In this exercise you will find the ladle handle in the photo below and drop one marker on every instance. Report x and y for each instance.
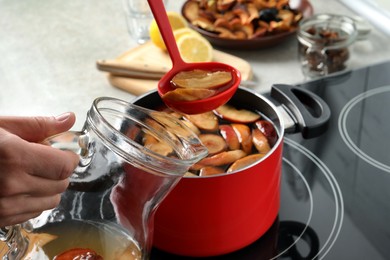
(161, 17)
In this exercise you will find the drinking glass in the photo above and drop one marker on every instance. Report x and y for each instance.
(138, 18)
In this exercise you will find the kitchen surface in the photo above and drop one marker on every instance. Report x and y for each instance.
(334, 189)
(50, 48)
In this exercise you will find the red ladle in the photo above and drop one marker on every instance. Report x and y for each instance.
(178, 65)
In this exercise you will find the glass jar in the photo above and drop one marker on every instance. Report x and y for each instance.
(323, 43)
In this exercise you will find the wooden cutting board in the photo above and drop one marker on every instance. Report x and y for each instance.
(148, 63)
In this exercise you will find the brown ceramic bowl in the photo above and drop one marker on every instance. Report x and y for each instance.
(255, 43)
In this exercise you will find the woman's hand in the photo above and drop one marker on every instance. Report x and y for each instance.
(32, 175)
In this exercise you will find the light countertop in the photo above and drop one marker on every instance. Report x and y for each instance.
(49, 49)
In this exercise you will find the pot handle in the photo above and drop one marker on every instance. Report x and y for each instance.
(309, 112)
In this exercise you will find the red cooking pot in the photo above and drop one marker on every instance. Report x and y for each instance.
(206, 216)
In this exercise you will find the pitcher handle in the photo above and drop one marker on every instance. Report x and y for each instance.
(75, 141)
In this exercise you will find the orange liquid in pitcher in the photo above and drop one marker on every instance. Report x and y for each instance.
(107, 241)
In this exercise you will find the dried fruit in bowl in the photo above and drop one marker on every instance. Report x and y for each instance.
(235, 19)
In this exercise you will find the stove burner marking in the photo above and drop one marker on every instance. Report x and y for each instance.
(342, 125)
(310, 211)
(338, 198)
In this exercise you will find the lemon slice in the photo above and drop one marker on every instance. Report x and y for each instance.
(176, 20)
(193, 48)
(184, 31)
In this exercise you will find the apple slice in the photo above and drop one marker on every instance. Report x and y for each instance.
(201, 79)
(244, 135)
(260, 141)
(191, 126)
(210, 170)
(268, 129)
(223, 158)
(244, 162)
(230, 136)
(160, 148)
(149, 139)
(205, 121)
(235, 115)
(188, 94)
(214, 143)
(132, 132)
(190, 174)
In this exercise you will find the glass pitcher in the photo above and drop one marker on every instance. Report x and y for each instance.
(130, 158)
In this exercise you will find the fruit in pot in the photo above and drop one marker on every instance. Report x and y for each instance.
(201, 79)
(233, 114)
(244, 136)
(214, 143)
(260, 141)
(245, 161)
(205, 121)
(235, 138)
(230, 136)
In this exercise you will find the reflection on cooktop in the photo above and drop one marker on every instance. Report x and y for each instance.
(376, 109)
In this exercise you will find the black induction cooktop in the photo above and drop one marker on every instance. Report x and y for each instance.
(335, 197)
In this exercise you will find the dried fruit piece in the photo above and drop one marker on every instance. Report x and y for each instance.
(160, 148)
(78, 253)
(149, 139)
(244, 135)
(223, 158)
(205, 121)
(244, 162)
(230, 136)
(235, 115)
(191, 10)
(188, 94)
(191, 126)
(232, 19)
(202, 79)
(210, 170)
(190, 174)
(214, 143)
(260, 141)
(268, 130)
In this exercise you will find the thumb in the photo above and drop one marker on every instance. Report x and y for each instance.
(36, 129)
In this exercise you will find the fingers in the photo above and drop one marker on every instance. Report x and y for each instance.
(18, 209)
(32, 175)
(36, 129)
(57, 164)
(32, 186)
(31, 168)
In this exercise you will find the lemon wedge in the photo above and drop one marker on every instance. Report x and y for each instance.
(194, 48)
(185, 31)
(176, 20)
